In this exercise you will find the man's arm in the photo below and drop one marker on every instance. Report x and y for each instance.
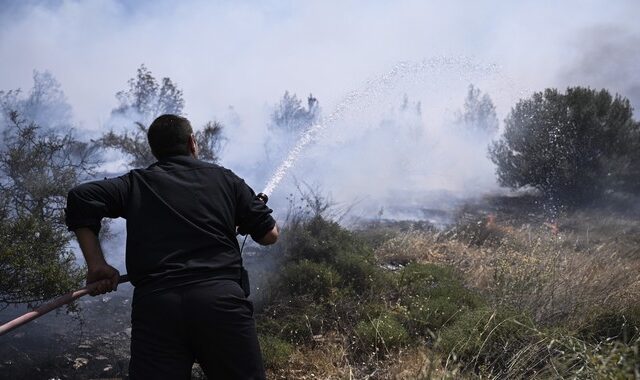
(270, 237)
(87, 204)
(97, 268)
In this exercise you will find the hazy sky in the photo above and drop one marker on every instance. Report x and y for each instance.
(246, 53)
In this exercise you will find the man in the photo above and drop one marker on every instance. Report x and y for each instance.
(182, 256)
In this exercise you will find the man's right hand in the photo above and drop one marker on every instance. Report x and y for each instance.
(102, 279)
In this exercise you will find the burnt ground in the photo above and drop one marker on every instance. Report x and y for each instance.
(90, 344)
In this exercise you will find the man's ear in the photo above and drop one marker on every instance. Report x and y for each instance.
(193, 146)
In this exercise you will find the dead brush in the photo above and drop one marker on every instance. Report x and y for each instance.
(421, 363)
(409, 246)
(540, 272)
(329, 359)
(590, 263)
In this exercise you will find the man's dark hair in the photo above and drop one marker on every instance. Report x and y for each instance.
(168, 135)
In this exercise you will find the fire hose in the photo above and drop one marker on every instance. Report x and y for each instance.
(49, 306)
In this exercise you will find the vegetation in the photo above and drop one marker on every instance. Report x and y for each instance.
(139, 105)
(507, 297)
(478, 116)
(573, 146)
(291, 116)
(38, 165)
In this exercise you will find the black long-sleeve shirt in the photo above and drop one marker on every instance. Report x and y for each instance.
(181, 217)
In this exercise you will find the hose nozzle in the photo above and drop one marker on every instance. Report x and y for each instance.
(263, 197)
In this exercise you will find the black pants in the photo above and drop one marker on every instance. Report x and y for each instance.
(209, 322)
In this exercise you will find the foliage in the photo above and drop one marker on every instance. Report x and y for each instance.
(148, 99)
(288, 121)
(381, 334)
(433, 296)
(291, 116)
(487, 338)
(44, 105)
(145, 100)
(275, 351)
(564, 144)
(307, 277)
(478, 115)
(38, 166)
(321, 240)
(36, 262)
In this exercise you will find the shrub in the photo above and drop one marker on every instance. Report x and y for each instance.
(321, 240)
(485, 337)
(307, 277)
(296, 321)
(381, 334)
(359, 273)
(275, 351)
(433, 296)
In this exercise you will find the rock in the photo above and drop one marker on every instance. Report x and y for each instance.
(80, 362)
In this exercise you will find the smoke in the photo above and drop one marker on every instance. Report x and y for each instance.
(234, 60)
(385, 151)
(608, 57)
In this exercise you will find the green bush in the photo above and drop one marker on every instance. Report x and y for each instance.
(433, 296)
(275, 351)
(309, 278)
(381, 334)
(321, 240)
(487, 338)
(296, 321)
(359, 273)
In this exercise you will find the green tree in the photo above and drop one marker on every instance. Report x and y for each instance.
(38, 165)
(139, 105)
(566, 145)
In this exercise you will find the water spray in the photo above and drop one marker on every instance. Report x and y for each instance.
(374, 88)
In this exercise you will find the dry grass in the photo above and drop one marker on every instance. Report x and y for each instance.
(557, 273)
(328, 359)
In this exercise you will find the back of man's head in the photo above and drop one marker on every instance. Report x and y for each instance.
(169, 135)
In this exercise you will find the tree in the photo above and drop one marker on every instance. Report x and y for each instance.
(147, 99)
(45, 105)
(289, 120)
(139, 105)
(38, 166)
(566, 144)
(291, 116)
(478, 115)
